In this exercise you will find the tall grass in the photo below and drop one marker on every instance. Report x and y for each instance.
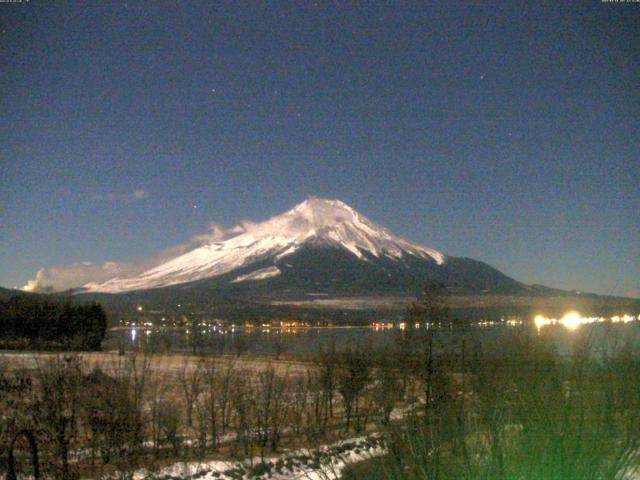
(524, 412)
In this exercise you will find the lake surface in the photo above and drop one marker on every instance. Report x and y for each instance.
(601, 336)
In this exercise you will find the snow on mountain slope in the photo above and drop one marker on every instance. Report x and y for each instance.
(326, 221)
(260, 274)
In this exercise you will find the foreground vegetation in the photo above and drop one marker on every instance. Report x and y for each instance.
(523, 412)
(91, 419)
(512, 408)
(515, 409)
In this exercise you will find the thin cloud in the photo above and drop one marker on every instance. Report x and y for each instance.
(65, 277)
(216, 233)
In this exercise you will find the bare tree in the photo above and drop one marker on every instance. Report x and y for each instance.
(279, 344)
(224, 396)
(244, 407)
(189, 378)
(57, 407)
(328, 364)
(296, 413)
(240, 345)
(270, 411)
(33, 446)
(353, 375)
(388, 389)
(212, 382)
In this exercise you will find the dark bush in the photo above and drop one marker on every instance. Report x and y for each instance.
(46, 323)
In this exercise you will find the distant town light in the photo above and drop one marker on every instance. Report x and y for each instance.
(571, 320)
(540, 321)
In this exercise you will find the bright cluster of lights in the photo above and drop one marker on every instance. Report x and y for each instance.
(573, 320)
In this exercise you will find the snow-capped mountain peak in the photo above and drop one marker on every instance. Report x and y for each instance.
(330, 222)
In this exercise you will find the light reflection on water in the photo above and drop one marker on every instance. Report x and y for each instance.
(567, 333)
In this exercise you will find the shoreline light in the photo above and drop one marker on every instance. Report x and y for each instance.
(572, 320)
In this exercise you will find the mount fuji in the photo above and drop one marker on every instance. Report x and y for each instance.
(319, 247)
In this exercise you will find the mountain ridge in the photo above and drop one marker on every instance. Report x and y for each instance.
(329, 284)
(314, 221)
(318, 249)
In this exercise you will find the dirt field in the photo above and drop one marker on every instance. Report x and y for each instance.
(160, 364)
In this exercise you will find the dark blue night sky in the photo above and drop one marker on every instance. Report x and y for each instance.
(508, 132)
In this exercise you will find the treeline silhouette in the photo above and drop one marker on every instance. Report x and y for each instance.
(37, 322)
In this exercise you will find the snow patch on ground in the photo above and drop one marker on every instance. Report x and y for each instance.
(324, 463)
